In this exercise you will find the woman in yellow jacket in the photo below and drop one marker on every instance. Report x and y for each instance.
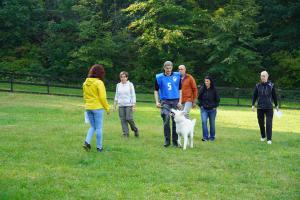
(94, 95)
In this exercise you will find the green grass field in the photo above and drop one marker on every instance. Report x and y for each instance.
(41, 155)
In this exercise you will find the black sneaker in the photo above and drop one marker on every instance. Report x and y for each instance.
(167, 144)
(86, 146)
(99, 149)
(136, 133)
(204, 140)
(175, 144)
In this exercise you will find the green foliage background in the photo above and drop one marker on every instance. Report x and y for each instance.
(232, 40)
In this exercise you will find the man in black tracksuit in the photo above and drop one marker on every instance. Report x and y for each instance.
(265, 94)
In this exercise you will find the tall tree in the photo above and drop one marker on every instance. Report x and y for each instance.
(21, 29)
(102, 39)
(162, 30)
(280, 22)
(234, 56)
(61, 33)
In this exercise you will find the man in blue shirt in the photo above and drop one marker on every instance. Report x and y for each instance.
(167, 95)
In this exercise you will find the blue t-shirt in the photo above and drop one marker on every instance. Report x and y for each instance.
(168, 85)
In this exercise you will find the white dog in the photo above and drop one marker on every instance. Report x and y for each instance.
(184, 127)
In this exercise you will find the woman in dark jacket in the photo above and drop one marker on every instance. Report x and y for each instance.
(265, 94)
(208, 101)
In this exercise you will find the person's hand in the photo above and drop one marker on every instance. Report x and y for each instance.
(114, 107)
(253, 108)
(133, 108)
(158, 105)
(107, 112)
(194, 105)
(277, 108)
(179, 106)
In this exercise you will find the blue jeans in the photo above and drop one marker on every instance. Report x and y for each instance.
(96, 122)
(211, 115)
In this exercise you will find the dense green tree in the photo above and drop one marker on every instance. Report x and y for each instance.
(169, 30)
(20, 25)
(233, 40)
(60, 38)
(234, 56)
(102, 39)
(280, 23)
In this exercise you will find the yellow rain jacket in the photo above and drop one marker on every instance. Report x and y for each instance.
(94, 94)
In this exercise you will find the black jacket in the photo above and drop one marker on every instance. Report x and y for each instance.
(208, 98)
(265, 94)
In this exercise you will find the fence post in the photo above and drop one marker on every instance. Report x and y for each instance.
(279, 97)
(48, 87)
(11, 83)
(237, 93)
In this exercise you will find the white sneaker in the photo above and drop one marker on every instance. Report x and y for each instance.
(262, 139)
(269, 142)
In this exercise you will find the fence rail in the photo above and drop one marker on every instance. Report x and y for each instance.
(27, 83)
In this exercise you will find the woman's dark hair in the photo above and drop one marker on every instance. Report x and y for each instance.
(212, 84)
(97, 71)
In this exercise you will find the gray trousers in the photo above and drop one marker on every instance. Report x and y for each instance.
(126, 117)
(165, 114)
(187, 106)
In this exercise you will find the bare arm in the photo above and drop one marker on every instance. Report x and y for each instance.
(116, 98)
(180, 96)
(179, 105)
(156, 88)
(156, 99)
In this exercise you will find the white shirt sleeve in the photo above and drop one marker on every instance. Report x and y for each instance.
(133, 96)
(116, 95)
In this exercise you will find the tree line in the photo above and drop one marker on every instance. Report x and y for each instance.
(231, 40)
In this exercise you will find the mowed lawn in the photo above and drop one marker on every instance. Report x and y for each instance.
(41, 155)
